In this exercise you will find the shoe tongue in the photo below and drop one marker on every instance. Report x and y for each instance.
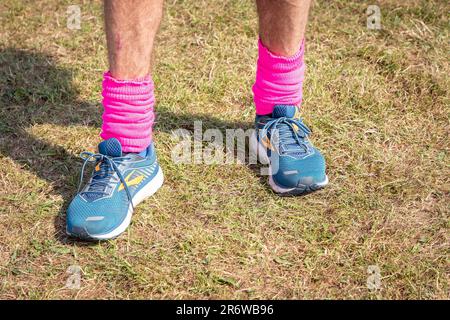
(287, 111)
(110, 147)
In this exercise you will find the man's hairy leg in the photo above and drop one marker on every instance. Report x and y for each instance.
(296, 167)
(282, 24)
(131, 27)
(103, 208)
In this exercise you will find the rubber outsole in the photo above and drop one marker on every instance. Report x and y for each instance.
(140, 196)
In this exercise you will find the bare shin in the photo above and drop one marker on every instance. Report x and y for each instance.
(282, 24)
(131, 27)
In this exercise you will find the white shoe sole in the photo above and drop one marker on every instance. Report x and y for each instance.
(140, 196)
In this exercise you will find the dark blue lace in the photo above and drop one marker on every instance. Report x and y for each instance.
(101, 178)
(287, 133)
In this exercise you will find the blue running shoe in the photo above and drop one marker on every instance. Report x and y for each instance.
(103, 208)
(281, 141)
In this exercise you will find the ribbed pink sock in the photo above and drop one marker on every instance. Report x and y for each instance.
(279, 80)
(128, 112)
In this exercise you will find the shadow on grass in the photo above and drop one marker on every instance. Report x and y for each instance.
(34, 90)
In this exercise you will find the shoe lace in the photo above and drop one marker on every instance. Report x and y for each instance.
(292, 133)
(101, 178)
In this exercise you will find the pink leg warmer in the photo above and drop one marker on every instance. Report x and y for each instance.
(128, 112)
(279, 79)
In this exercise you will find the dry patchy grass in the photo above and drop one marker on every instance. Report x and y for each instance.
(376, 100)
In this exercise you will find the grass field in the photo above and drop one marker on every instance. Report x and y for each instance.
(376, 100)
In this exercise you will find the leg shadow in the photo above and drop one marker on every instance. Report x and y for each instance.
(35, 90)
